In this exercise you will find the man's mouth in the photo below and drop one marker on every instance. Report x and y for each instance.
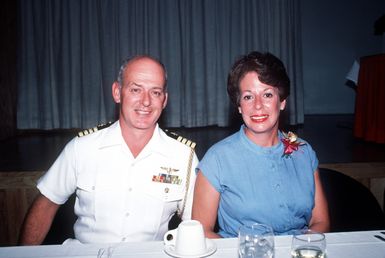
(143, 112)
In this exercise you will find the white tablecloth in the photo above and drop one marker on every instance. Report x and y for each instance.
(339, 245)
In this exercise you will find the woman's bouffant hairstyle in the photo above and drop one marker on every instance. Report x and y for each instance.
(269, 68)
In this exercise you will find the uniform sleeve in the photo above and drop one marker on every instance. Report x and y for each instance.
(59, 182)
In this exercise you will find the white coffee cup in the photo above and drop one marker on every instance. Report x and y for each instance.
(187, 239)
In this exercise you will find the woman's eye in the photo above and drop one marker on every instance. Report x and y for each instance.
(247, 97)
(268, 95)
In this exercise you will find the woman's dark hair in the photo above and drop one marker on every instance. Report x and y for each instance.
(269, 68)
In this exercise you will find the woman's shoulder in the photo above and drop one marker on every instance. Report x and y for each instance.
(226, 143)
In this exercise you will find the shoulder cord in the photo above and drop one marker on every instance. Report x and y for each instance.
(187, 180)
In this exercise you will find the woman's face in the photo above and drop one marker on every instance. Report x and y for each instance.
(260, 106)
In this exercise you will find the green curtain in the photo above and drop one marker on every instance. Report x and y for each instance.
(70, 52)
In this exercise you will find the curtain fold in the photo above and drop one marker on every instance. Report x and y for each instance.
(70, 52)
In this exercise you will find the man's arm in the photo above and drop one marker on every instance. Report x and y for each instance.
(38, 221)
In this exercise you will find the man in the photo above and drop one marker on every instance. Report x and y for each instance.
(129, 178)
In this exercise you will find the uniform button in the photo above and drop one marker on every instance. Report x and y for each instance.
(123, 239)
(93, 187)
(130, 189)
(127, 214)
(281, 206)
(277, 185)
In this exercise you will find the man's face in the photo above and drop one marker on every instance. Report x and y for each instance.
(142, 94)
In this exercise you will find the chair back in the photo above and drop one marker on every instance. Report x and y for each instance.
(352, 207)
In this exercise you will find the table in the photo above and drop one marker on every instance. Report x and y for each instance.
(339, 245)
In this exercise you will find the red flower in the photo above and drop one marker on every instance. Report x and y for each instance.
(290, 143)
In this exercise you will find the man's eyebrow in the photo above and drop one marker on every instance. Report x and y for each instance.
(134, 83)
(160, 87)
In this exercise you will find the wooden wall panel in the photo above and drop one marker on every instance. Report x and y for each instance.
(17, 191)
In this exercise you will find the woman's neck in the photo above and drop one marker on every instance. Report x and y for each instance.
(263, 139)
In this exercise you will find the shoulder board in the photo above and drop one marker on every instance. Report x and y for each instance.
(94, 129)
(181, 139)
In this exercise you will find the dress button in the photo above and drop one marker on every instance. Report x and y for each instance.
(93, 187)
(123, 239)
(130, 189)
(127, 214)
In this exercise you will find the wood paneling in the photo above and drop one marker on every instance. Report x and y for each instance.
(17, 191)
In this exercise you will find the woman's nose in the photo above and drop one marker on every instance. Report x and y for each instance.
(257, 102)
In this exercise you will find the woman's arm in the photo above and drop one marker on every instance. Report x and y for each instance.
(320, 215)
(205, 205)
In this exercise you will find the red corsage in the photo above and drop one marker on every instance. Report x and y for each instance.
(291, 143)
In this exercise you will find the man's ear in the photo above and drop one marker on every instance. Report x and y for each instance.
(116, 92)
(165, 100)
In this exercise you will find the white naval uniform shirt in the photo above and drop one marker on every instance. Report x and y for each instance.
(116, 197)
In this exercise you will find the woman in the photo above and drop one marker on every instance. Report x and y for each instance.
(259, 174)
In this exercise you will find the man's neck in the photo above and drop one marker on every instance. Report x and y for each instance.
(136, 139)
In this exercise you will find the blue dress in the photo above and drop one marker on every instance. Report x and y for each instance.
(260, 185)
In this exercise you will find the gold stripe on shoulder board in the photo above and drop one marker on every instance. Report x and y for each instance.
(94, 129)
(181, 139)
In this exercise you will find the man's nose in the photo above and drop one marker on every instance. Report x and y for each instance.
(146, 99)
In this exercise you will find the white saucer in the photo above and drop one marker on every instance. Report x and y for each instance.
(211, 248)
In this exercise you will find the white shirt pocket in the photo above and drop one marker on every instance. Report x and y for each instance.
(85, 192)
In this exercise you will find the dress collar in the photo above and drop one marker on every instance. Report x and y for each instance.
(277, 148)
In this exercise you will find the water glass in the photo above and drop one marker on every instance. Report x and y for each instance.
(308, 244)
(255, 241)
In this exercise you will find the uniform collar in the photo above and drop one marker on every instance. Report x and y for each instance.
(113, 137)
(158, 144)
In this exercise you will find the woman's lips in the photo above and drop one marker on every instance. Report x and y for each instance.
(259, 118)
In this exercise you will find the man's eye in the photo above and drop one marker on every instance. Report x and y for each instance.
(135, 90)
(157, 93)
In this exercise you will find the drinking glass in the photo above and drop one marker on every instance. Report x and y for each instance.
(255, 241)
(308, 244)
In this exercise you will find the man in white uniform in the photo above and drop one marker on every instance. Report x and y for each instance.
(129, 178)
